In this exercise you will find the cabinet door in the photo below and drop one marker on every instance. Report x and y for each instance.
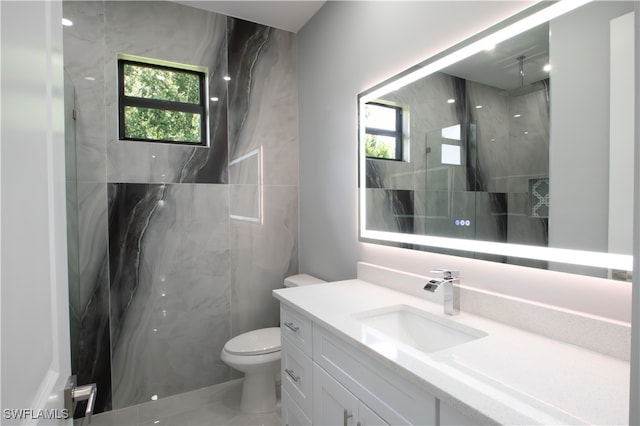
(333, 404)
(395, 399)
(292, 414)
(367, 417)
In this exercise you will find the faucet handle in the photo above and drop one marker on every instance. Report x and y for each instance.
(447, 274)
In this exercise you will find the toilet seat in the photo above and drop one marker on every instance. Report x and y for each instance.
(256, 342)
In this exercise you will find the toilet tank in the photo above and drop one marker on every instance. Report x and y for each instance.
(301, 279)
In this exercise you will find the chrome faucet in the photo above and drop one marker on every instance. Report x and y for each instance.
(451, 292)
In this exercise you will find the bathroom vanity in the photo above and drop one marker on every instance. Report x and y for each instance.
(358, 353)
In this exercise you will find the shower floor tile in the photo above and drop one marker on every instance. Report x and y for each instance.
(217, 405)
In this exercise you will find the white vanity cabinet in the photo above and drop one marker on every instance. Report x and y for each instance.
(292, 414)
(333, 404)
(450, 417)
(393, 399)
(296, 367)
(328, 381)
(335, 357)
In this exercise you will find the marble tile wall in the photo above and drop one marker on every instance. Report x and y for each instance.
(263, 126)
(153, 30)
(170, 288)
(179, 246)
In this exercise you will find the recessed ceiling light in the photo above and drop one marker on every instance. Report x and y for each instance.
(67, 22)
(451, 101)
(547, 68)
(478, 106)
(516, 115)
(89, 78)
(215, 99)
(226, 78)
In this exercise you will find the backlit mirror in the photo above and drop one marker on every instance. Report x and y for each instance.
(514, 146)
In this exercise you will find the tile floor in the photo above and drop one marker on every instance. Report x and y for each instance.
(217, 405)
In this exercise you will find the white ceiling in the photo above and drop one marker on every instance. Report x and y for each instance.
(285, 15)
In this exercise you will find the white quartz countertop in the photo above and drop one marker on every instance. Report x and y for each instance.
(510, 376)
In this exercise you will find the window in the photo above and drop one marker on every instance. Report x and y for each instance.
(161, 103)
(383, 131)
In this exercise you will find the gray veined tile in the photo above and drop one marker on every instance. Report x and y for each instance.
(245, 167)
(180, 285)
(84, 62)
(196, 43)
(215, 405)
(203, 43)
(122, 417)
(266, 254)
(246, 203)
(92, 232)
(88, 20)
(264, 108)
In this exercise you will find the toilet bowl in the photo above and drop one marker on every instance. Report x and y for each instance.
(257, 354)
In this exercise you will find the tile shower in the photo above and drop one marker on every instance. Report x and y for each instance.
(178, 248)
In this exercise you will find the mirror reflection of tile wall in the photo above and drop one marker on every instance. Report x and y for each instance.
(485, 195)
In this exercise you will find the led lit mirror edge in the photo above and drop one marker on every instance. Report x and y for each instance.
(529, 18)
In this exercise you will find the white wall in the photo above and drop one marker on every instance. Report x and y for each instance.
(634, 399)
(346, 48)
(580, 139)
(35, 320)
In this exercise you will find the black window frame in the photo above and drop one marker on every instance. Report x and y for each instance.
(164, 105)
(398, 134)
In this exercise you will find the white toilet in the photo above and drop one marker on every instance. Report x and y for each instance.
(257, 354)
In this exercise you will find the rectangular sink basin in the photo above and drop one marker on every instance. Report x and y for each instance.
(415, 328)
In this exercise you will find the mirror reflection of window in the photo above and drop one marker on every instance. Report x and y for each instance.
(451, 132)
(451, 154)
(383, 131)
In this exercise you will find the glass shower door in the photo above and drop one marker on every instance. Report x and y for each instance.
(449, 196)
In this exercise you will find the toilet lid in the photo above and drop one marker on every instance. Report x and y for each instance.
(256, 342)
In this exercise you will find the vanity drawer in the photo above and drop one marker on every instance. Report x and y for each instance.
(297, 375)
(296, 327)
(396, 400)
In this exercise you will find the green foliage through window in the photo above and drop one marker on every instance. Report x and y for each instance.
(161, 125)
(376, 147)
(161, 103)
